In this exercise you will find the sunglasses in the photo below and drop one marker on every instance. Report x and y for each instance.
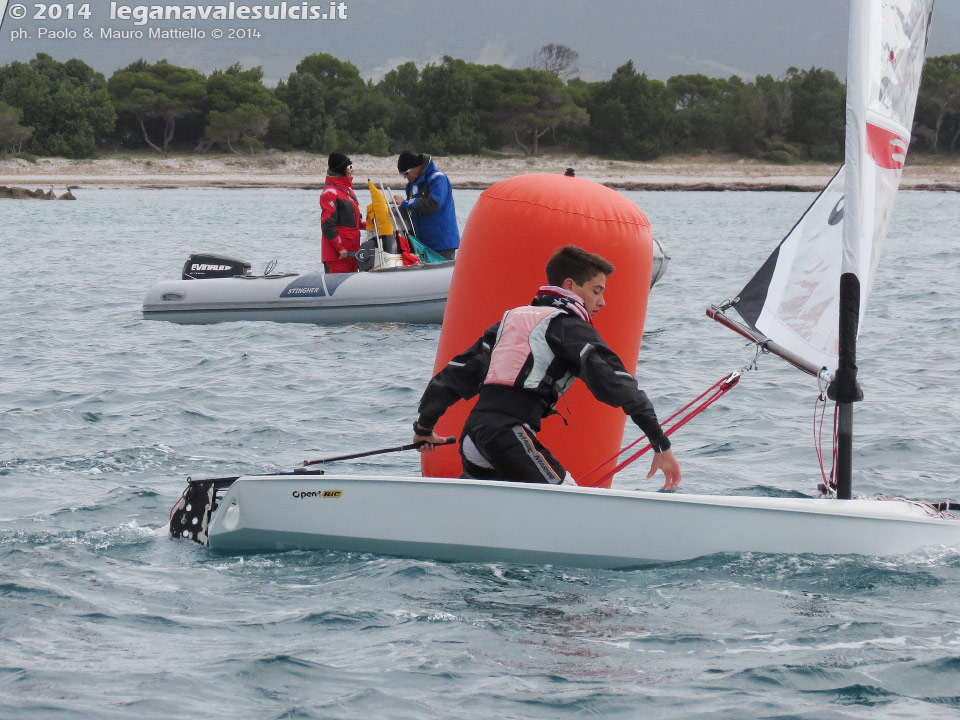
(350, 166)
(406, 173)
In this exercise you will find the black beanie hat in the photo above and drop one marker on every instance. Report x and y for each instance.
(408, 160)
(337, 163)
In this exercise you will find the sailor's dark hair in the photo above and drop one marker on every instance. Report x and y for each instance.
(577, 264)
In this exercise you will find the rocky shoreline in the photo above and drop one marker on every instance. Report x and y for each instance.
(18, 193)
(303, 170)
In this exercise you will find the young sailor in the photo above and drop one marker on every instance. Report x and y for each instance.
(523, 364)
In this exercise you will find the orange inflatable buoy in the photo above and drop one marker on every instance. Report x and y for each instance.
(510, 234)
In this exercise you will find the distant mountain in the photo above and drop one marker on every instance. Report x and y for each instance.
(662, 37)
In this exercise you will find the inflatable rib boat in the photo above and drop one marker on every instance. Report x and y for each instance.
(414, 294)
(218, 288)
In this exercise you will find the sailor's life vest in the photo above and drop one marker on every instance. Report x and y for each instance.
(522, 358)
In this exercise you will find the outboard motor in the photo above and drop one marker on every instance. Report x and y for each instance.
(367, 254)
(202, 266)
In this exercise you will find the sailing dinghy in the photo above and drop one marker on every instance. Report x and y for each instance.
(805, 304)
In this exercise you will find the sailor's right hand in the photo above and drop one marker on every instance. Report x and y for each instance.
(427, 443)
(397, 199)
(671, 468)
(343, 254)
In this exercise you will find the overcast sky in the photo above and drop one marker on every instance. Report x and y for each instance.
(718, 38)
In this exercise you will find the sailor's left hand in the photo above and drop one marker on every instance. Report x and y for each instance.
(671, 468)
(428, 443)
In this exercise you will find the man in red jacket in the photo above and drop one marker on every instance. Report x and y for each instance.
(340, 219)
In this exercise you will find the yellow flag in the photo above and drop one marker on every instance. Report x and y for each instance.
(378, 211)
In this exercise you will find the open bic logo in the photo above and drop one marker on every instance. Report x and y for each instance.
(303, 494)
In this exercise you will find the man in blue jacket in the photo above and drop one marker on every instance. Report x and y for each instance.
(429, 203)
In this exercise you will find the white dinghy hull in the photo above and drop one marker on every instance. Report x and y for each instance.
(410, 295)
(486, 521)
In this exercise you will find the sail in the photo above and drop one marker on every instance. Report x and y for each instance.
(793, 300)
(888, 41)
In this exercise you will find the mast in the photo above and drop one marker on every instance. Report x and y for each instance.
(844, 387)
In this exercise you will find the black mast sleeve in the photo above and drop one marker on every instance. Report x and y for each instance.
(844, 387)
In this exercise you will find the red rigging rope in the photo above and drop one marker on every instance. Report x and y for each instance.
(705, 400)
(708, 397)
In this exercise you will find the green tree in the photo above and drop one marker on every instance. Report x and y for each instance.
(324, 90)
(376, 142)
(447, 93)
(773, 98)
(12, 133)
(158, 95)
(245, 123)
(743, 118)
(329, 141)
(699, 102)
(630, 115)
(938, 104)
(403, 116)
(818, 107)
(66, 105)
(239, 107)
(528, 104)
(610, 127)
(724, 114)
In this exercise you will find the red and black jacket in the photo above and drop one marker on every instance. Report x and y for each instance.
(340, 220)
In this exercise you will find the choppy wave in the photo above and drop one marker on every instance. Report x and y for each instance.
(104, 415)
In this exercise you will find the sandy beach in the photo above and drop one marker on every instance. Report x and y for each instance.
(303, 170)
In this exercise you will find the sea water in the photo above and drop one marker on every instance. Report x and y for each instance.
(103, 416)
